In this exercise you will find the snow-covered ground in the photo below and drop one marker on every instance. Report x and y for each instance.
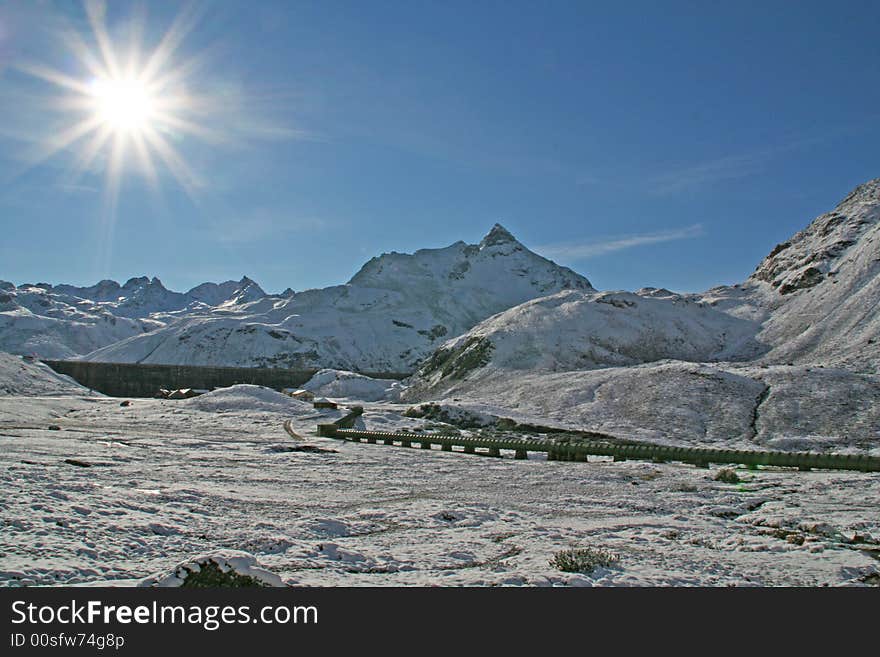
(171, 480)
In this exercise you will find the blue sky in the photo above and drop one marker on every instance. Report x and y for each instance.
(670, 144)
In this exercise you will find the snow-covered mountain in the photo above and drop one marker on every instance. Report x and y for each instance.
(814, 299)
(788, 358)
(388, 317)
(65, 321)
(34, 320)
(228, 293)
(822, 288)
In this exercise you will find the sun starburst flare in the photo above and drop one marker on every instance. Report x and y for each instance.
(126, 106)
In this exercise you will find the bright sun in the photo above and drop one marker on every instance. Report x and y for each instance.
(126, 105)
(133, 107)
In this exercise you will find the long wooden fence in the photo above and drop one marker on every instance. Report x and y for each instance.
(572, 449)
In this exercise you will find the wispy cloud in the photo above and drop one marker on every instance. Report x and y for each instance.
(743, 164)
(710, 172)
(593, 248)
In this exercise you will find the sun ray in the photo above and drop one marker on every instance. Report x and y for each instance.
(135, 42)
(114, 174)
(182, 25)
(87, 156)
(61, 141)
(189, 127)
(55, 77)
(181, 171)
(82, 53)
(145, 160)
(96, 11)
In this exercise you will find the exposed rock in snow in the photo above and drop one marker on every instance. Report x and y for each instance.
(219, 568)
(20, 376)
(391, 314)
(349, 385)
(215, 294)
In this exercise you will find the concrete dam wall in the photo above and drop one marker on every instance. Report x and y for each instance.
(137, 380)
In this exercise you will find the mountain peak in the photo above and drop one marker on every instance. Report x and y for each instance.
(497, 235)
(868, 192)
(136, 281)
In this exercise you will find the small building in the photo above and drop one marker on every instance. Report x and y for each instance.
(323, 402)
(302, 395)
(184, 393)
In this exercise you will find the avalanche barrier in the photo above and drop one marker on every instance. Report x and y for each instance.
(579, 450)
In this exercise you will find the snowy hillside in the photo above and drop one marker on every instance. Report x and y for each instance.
(686, 404)
(33, 379)
(576, 330)
(391, 314)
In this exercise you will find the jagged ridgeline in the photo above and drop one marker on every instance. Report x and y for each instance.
(392, 314)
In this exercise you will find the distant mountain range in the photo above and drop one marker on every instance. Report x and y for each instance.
(492, 306)
(388, 317)
(65, 321)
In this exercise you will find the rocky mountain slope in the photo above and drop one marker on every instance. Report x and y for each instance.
(822, 288)
(388, 317)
